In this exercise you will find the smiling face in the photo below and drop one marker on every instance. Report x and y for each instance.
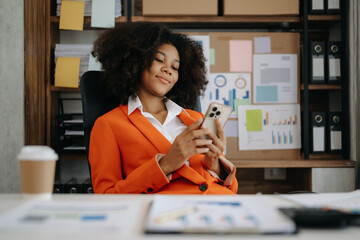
(163, 73)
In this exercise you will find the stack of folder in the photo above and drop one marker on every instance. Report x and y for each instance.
(88, 7)
(67, 53)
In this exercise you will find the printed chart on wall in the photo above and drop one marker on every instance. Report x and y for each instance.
(230, 89)
(264, 127)
(275, 78)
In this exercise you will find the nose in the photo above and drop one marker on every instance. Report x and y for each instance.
(166, 69)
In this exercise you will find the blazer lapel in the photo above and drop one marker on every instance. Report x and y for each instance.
(149, 131)
(186, 118)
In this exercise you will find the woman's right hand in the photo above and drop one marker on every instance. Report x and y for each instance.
(185, 145)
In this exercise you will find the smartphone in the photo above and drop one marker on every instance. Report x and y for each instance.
(216, 111)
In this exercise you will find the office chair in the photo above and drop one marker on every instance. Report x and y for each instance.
(95, 104)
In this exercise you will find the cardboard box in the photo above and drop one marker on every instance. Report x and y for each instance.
(180, 8)
(261, 7)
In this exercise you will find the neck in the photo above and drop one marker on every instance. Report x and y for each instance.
(152, 104)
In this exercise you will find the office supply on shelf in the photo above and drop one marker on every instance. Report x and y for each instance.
(88, 7)
(67, 72)
(103, 13)
(317, 63)
(72, 15)
(334, 62)
(171, 214)
(316, 6)
(333, 6)
(81, 51)
(318, 132)
(334, 132)
(71, 132)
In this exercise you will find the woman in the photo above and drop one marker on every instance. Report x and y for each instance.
(150, 143)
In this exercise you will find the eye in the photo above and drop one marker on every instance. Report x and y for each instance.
(159, 60)
(175, 68)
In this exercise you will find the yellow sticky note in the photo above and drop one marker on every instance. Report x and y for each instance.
(67, 72)
(254, 120)
(72, 15)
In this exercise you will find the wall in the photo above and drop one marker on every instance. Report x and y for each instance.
(11, 92)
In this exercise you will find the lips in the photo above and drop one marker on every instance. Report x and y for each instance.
(164, 80)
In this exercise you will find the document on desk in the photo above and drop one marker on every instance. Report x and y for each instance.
(226, 214)
(37, 215)
(342, 201)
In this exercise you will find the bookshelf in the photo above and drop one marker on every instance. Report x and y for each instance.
(42, 33)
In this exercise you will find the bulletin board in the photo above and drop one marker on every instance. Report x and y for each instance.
(248, 50)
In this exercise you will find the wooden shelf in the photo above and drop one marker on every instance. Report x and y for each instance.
(324, 17)
(294, 163)
(63, 89)
(218, 19)
(322, 87)
(56, 19)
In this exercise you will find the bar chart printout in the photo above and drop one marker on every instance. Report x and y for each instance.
(264, 127)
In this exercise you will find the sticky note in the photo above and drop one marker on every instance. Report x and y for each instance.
(240, 55)
(67, 72)
(103, 13)
(94, 64)
(267, 94)
(72, 15)
(262, 45)
(254, 120)
(212, 56)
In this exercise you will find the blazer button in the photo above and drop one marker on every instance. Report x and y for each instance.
(203, 187)
(149, 190)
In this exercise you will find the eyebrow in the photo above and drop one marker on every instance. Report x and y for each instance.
(162, 53)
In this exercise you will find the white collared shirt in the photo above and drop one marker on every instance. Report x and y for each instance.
(172, 126)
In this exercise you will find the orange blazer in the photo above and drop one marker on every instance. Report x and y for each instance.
(122, 156)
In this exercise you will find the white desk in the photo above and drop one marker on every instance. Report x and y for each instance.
(9, 201)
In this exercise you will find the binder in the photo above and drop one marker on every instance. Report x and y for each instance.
(87, 188)
(334, 62)
(335, 132)
(72, 186)
(317, 63)
(318, 132)
(317, 6)
(333, 6)
(58, 186)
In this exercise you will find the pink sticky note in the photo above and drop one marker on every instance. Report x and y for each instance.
(240, 55)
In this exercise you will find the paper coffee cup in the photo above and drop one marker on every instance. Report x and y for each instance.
(37, 169)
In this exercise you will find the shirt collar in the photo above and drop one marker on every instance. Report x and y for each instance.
(171, 106)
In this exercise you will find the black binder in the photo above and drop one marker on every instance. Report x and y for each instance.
(72, 186)
(333, 6)
(334, 62)
(58, 186)
(317, 6)
(318, 132)
(87, 188)
(335, 132)
(317, 62)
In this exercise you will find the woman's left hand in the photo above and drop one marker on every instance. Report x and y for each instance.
(211, 159)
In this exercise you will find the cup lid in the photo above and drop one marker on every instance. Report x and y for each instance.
(37, 153)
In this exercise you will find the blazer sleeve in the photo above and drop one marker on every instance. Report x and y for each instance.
(106, 166)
